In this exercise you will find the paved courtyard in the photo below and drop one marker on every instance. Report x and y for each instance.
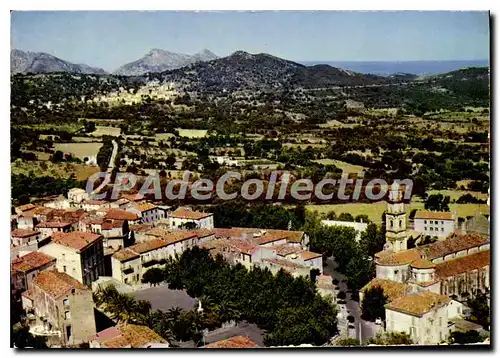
(163, 298)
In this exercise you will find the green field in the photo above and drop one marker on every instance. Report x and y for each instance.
(192, 133)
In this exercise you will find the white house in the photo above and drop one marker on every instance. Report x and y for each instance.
(424, 316)
(185, 215)
(79, 254)
(77, 195)
(359, 227)
(433, 223)
(146, 211)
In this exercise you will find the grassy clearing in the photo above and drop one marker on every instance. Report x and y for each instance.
(374, 211)
(79, 150)
(346, 167)
(163, 136)
(106, 130)
(192, 133)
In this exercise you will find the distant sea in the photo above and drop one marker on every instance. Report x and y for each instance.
(384, 68)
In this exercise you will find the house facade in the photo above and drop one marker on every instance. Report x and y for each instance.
(439, 224)
(24, 269)
(65, 304)
(79, 254)
(183, 216)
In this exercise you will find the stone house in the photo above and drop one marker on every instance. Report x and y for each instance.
(25, 268)
(64, 304)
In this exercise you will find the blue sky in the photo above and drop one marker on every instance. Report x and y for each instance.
(111, 39)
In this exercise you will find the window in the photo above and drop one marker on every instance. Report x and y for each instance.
(432, 229)
(425, 228)
(64, 268)
(442, 229)
(65, 302)
(442, 222)
(67, 315)
(425, 221)
(68, 332)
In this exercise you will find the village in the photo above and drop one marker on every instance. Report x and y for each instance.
(66, 249)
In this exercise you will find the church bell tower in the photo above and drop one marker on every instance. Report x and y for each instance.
(396, 235)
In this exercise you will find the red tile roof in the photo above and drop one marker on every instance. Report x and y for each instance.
(53, 225)
(77, 240)
(422, 264)
(23, 233)
(452, 245)
(417, 304)
(26, 207)
(434, 215)
(463, 264)
(233, 342)
(125, 255)
(309, 255)
(56, 284)
(119, 214)
(142, 207)
(147, 246)
(185, 213)
(132, 335)
(392, 289)
(270, 234)
(31, 261)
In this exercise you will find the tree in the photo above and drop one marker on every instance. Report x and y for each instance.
(372, 240)
(190, 225)
(480, 311)
(359, 270)
(464, 337)
(345, 217)
(437, 202)
(153, 276)
(22, 338)
(391, 339)
(57, 157)
(372, 306)
(347, 342)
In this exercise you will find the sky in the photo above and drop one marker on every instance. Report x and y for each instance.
(109, 39)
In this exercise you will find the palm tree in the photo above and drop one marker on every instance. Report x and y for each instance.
(227, 311)
(174, 313)
(206, 302)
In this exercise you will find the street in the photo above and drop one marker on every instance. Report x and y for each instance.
(363, 330)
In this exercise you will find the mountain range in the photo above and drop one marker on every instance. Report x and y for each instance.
(40, 62)
(158, 60)
(155, 60)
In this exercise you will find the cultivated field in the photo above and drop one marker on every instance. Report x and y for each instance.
(346, 167)
(79, 150)
(106, 130)
(192, 133)
(59, 170)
